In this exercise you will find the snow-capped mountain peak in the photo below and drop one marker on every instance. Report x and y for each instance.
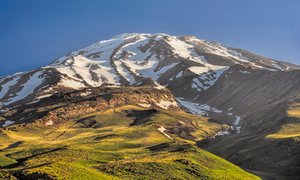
(129, 59)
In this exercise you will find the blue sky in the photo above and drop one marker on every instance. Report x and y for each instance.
(33, 32)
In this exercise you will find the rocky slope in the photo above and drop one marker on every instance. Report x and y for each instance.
(258, 105)
(70, 104)
(249, 94)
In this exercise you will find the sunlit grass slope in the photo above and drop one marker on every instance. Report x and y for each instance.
(291, 128)
(107, 145)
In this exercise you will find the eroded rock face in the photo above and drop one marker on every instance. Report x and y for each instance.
(62, 106)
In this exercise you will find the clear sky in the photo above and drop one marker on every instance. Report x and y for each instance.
(35, 32)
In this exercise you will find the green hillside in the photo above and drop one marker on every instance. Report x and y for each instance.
(119, 143)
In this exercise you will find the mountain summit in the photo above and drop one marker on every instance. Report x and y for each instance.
(128, 59)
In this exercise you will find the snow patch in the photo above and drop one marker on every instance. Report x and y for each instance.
(236, 123)
(237, 120)
(5, 87)
(7, 123)
(124, 72)
(245, 72)
(3, 110)
(28, 87)
(165, 69)
(145, 105)
(44, 96)
(216, 110)
(32, 102)
(166, 104)
(158, 86)
(199, 69)
(49, 123)
(69, 83)
(179, 74)
(162, 130)
(195, 108)
(207, 76)
(180, 48)
(92, 72)
(222, 133)
(276, 66)
(192, 107)
(83, 94)
(181, 122)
